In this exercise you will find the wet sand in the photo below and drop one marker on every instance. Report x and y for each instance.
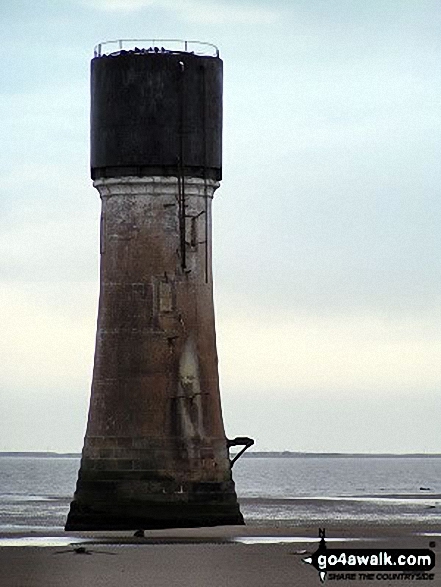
(204, 557)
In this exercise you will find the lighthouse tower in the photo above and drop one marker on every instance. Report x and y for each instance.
(155, 452)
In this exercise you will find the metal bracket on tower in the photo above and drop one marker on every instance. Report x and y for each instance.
(239, 441)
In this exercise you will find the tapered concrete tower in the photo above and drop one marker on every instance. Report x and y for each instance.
(155, 453)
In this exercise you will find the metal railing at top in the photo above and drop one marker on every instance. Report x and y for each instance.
(155, 46)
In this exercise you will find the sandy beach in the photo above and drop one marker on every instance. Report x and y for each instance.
(204, 557)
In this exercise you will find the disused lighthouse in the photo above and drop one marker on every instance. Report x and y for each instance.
(155, 452)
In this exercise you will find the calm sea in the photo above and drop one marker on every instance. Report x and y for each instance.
(35, 492)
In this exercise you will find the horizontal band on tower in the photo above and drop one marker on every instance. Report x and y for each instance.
(154, 186)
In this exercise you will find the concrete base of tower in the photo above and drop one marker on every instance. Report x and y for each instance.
(96, 506)
(109, 498)
(152, 518)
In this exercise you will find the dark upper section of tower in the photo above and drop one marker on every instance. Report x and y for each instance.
(156, 112)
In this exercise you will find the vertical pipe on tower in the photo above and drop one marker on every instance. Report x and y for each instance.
(155, 452)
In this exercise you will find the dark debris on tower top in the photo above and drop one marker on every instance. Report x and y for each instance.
(154, 47)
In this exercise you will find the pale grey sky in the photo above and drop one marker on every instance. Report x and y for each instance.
(326, 226)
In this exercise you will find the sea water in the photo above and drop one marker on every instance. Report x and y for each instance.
(35, 492)
(322, 490)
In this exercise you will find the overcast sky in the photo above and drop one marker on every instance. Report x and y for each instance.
(326, 226)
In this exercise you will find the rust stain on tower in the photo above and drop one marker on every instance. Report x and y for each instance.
(155, 452)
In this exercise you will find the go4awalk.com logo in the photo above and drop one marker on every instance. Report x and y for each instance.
(371, 564)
